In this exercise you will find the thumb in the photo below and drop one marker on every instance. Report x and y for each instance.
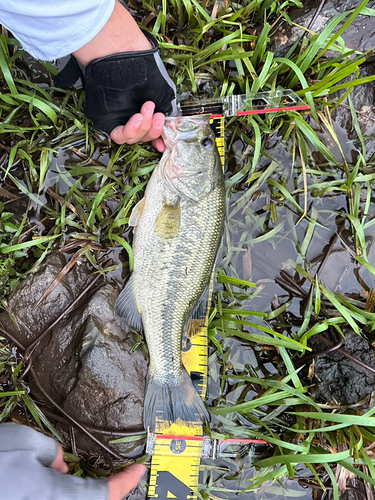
(59, 463)
(121, 484)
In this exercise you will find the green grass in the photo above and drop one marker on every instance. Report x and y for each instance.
(286, 188)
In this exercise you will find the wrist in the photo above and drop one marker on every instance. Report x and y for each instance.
(120, 34)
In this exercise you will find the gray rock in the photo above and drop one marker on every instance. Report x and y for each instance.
(360, 35)
(338, 380)
(86, 364)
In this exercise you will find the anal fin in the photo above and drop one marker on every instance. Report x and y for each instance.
(198, 317)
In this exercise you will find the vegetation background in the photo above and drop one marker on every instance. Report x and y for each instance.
(296, 182)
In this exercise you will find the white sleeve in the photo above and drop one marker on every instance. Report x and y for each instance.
(49, 29)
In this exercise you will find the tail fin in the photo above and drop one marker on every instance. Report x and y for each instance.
(172, 402)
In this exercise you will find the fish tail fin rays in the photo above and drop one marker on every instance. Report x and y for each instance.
(126, 312)
(171, 403)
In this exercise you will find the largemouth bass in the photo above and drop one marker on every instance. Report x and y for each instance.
(178, 228)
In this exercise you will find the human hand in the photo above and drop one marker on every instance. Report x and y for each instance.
(125, 82)
(118, 486)
(59, 463)
(121, 484)
(142, 127)
(38, 461)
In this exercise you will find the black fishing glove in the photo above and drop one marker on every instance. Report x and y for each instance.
(118, 85)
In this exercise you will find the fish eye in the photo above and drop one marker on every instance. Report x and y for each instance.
(207, 143)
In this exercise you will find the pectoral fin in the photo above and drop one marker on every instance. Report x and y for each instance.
(167, 224)
(137, 212)
(126, 312)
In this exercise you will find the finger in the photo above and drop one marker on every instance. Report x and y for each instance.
(121, 484)
(159, 144)
(124, 134)
(147, 111)
(59, 463)
(155, 129)
(137, 126)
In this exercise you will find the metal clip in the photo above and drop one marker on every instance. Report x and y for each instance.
(206, 449)
(150, 445)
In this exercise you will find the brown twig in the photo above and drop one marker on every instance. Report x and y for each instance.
(74, 259)
(334, 347)
(346, 354)
(105, 432)
(35, 226)
(62, 201)
(288, 283)
(77, 424)
(317, 12)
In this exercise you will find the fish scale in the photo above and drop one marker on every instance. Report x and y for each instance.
(177, 271)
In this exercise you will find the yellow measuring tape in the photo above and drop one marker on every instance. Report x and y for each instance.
(177, 450)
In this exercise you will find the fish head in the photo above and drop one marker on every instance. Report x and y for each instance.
(191, 163)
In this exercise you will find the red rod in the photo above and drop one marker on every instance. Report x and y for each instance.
(272, 110)
(201, 438)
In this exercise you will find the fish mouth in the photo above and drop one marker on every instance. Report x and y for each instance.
(182, 128)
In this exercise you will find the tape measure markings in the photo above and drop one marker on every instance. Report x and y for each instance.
(178, 450)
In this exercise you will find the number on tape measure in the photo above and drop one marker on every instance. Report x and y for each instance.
(168, 486)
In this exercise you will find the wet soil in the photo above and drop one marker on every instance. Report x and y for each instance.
(338, 379)
(359, 35)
